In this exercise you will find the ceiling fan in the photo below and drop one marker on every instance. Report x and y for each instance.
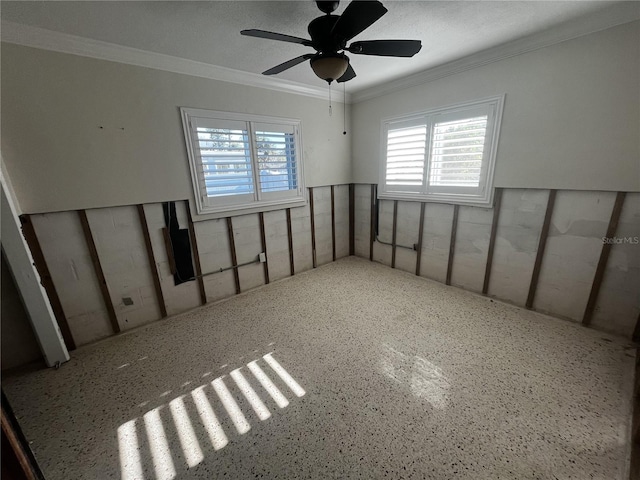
(329, 36)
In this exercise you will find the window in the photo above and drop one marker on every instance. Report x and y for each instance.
(243, 162)
(445, 155)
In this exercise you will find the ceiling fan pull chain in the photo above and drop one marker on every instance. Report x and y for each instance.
(344, 109)
(330, 113)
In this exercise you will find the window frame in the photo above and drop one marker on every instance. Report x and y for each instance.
(483, 195)
(256, 201)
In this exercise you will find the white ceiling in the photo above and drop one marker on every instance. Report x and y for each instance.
(209, 32)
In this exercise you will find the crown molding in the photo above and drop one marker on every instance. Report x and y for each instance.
(620, 14)
(36, 37)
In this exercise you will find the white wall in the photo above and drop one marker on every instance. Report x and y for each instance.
(59, 158)
(571, 116)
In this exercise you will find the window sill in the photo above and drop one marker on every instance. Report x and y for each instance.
(211, 213)
(469, 200)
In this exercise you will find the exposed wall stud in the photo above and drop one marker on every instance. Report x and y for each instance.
(234, 258)
(196, 255)
(152, 260)
(393, 235)
(102, 281)
(352, 219)
(333, 223)
(492, 240)
(420, 234)
(604, 257)
(313, 231)
(263, 240)
(541, 246)
(372, 227)
(452, 243)
(47, 282)
(290, 234)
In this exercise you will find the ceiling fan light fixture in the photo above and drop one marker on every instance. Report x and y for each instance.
(330, 67)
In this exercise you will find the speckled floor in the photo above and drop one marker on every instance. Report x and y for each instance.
(377, 374)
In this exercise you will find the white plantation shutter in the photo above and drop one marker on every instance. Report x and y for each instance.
(225, 161)
(276, 157)
(241, 162)
(444, 155)
(406, 150)
(457, 151)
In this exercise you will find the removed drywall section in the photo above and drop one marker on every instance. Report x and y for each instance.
(341, 210)
(65, 249)
(519, 226)
(472, 245)
(301, 236)
(407, 225)
(246, 231)
(19, 344)
(178, 298)
(323, 225)
(382, 252)
(362, 221)
(436, 240)
(120, 244)
(275, 226)
(215, 253)
(578, 223)
(618, 303)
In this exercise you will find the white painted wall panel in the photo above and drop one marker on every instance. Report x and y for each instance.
(275, 228)
(618, 306)
(65, 250)
(139, 155)
(362, 221)
(578, 223)
(568, 106)
(178, 298)
(435, 241)
(120, 244)
(519, 226)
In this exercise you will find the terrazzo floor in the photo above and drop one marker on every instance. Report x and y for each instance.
(352, 370)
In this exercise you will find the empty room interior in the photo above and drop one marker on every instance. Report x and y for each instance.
(312, 240)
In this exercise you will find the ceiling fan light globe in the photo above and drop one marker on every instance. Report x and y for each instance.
(331, 67)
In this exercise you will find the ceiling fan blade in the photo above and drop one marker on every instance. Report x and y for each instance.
(386, 48)
(357, 17)
(348, 75)
(275, 36)
(286, 65)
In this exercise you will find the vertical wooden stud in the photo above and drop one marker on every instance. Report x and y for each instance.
(393, 235)
(313, 230)
(234, 258)
(45, 278)
(196, 255)
(452, 243)
(333, 223)
(263, 240)
(352, 219)
(290, 234)
(102, 281)
(420, 235)
(542, 243)
(604, 257)
(492, 240)
(152, 260)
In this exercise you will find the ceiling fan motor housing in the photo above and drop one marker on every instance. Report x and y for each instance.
(321, 37)
(327, 7)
